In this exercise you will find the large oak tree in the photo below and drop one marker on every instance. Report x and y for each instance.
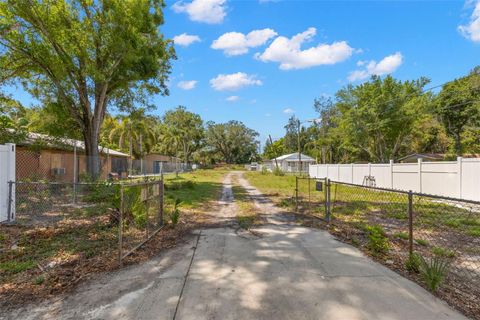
(86, 55)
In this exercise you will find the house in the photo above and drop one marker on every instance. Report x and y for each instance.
(290, 162)
(41, 157)
(155, 163)
(424, 156)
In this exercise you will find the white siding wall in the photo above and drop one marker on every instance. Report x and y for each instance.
(457, 179)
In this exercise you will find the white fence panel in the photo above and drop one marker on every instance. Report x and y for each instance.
(382, 174)
(470, 179)
(440, 178)
(405, 176)
(359, 173)
(7, 173)
(457, 179)
(345, 172)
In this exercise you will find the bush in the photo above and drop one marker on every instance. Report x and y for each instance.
(278, 171)
(413, 262)
(433, 271)
(264, 170)
(377, 240)
(175, 213)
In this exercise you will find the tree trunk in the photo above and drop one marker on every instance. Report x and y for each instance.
(458, 144)
(92, 153)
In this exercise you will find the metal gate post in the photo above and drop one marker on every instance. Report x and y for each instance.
(327, 201)
(296, 194)
(309, 196)
(410, 222)
(120, 227)
(161, 195)
(10, 200)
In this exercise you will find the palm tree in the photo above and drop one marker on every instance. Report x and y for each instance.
(138, 132)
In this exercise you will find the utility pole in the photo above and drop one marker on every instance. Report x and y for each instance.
(271, 143)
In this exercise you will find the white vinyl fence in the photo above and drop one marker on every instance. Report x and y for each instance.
(456, 179)
(7, 173)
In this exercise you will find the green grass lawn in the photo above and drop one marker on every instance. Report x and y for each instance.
(195, 189)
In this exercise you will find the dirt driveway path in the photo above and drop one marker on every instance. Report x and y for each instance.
(284, 272)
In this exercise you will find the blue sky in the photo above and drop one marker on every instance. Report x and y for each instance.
(269, 76)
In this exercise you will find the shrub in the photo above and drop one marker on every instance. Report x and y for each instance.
(422, 242)
(377, 240)
(175, 213)
(264, 170)
(278, 171)
(413, 262)
(401, 235)
(443, 252)
(433, 271)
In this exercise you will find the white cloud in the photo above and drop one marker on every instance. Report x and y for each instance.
(386, 66)
(472, 29)
(185, 39)
(208, 11)
(234, 81)
(187, 85)
(232, 98)
(289, 54)
(288, 110)
(236, 43)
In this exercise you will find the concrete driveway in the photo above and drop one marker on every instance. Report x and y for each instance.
(280, 271)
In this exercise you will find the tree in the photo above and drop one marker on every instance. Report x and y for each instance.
(13, 124)
(377, 117)
(134, 132)
(458, 105)
(182, 130)
(233, 140)
(274, 149)
(86, 56)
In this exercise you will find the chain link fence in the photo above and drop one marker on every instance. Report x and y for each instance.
(408, 230)
(54, 223)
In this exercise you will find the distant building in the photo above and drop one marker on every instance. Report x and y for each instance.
(156, 163)
(424, 156)
(41, 157)
(290, 162)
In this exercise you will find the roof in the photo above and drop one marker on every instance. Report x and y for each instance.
(294, 157)
(65, 143)
(429, 156)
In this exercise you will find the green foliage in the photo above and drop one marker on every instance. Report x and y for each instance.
(401, 235)
(413, 262)
(433, 271)
(264, 170)
(274, 149)
(422, 242)
(175, 213)
(39, 280)
(86, 56)
(12, 267)
(458, 105)
(377, 240)
(233, 141)
(278, 171)
(181, 133)
(443, 252)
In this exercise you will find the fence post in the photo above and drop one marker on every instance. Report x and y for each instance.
(327, 201)
(120, 227)
(410, 222)
(10, 200)
(296, 193)
(391, 174)
(309, 197)
(459, 173)
(420, 175)
(160, 211)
